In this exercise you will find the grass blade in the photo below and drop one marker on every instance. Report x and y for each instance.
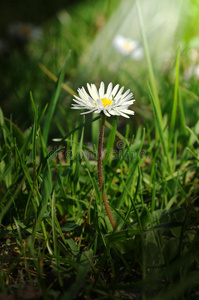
(53, 102)
(46, 190)
(149, 65)
(77, 128)
(160, 129)
(175, 100)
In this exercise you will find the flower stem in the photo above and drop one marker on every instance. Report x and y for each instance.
(100, 174)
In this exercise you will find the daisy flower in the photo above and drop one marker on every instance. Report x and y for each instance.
(192, 71)
(24, 32)
(111, 102)
(128, 47)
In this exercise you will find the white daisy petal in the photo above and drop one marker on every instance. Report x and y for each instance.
(89, 89)
(99, 104)
(83, 95)
(97, 111)
(114, 91)
(87, 112)
(86, 96)
(125, 94)
(127, 111)
(106, 112)
(95, 93)
(109, 90)
(82, 101)
(127, 103)
(113, 112)
(101, 90)
(127, 98)
(78, 98)
(77, 101)
(77, 107)
(117, 96)
(112, 102)
(120, 113)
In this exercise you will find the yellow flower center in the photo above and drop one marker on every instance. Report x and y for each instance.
(128, 46)
(26, 31)
(105, 102)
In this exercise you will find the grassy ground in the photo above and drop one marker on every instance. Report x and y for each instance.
(55, 237)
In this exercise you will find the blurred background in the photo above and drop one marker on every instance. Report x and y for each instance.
(106, 45)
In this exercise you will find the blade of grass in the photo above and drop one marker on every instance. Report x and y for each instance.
(160, 129)
(55, 79)
(175, 100)
(149, 65)
(194, 154)
(2, 123)
(53, 212)
(53, 101)
(182, 114)
(46, 190)
(78, 128)
(192, 133)
(93, 180)
(133, 200)
(119, 135)
(34, 143)
(21, 151)
(4, 209)
(132, 170)
(154, 189)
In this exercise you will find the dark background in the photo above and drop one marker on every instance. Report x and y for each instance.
(36, 11)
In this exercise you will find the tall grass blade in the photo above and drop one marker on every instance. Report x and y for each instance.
(34, 143)
(53, 102)
(53, 212)
(92, 178)
(160, 129)
(77, 128)
(175, 100)
(182, 114)
(46, 190)
(193, 134)
(132, 170)
(149, 65)
(154, 189)
(55, 79)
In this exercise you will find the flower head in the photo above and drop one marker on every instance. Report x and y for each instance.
(110, 102)
(24, 32)
(192, 71)
(128, 47)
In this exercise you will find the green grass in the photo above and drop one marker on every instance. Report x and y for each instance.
(55, 235)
